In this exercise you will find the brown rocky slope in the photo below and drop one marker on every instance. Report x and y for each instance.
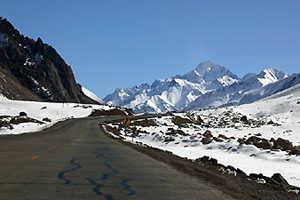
(32, 70)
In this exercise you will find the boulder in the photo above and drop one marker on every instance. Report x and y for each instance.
(23, 114)
(206, 140)
(171, 131)
(279, 179)
(264, 144)
(259, 142)
(46, 119)
(283, 144)
(244, 119)
(252, 140)
(207, 133)
(295, 150)
(181, 122)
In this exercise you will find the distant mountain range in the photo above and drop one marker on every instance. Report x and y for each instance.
(208, 86)
(33, 70)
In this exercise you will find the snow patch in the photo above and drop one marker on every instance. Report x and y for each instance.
(40, 110)
(92, 95)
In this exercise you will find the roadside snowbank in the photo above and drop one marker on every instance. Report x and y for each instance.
(40, 110)
(276, 117)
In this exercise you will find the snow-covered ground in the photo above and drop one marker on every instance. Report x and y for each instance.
(39, 111)
(283, 109)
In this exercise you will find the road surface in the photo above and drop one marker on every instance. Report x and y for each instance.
(76, 160)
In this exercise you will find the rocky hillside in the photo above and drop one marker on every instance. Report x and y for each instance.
(33, 70)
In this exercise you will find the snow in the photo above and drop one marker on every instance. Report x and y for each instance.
(28, 62)
(207, 86)
(251, 88)
(173, 93)
(282, 108)
(39, 110)
(270, 76)
(92, 95)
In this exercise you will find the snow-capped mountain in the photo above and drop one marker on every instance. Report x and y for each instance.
(250, 88)
(92, 95)
(208, 85)
(173, 93)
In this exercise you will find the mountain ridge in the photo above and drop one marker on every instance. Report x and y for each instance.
(194, 88)
(33, 70)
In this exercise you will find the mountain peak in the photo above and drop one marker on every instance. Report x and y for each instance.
(211, 72)
(206, 66)
(270, 75)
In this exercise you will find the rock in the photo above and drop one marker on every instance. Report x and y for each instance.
(112, 112)
(283, 144)
(241, 173)
(35, 71)
(6, 125)
(244, 119)
(199, 120)
(207, 160)
(254, 176)
(207, 133)
(171, 131)
(279, 179)
(272, 140)
(46, 119)
(217, 139)
(264, 144)
(259, 142)
(180, 132)
(241, 140)
(20, 120)
(223, 137)
(181, 122)
(270, 122)
(295, 150)
(206, 140)
(23, 114)
(298, 102)
(252, 140)
(169, 139)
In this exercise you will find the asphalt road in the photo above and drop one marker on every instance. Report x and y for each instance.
(76, 160)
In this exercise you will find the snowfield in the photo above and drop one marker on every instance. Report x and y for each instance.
(222, 134)
(41, 111)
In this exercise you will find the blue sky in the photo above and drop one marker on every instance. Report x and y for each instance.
(110, 43)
